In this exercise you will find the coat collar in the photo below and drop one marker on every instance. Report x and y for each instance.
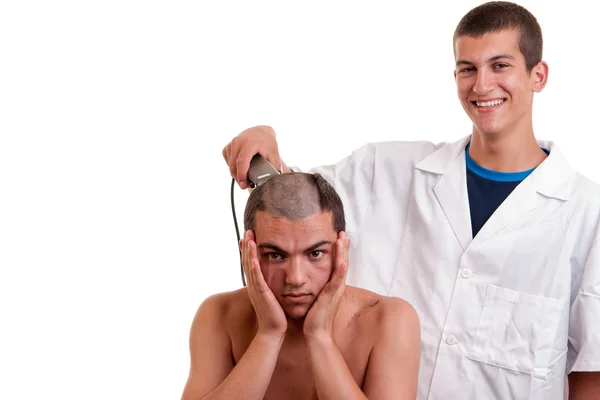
(551, 179)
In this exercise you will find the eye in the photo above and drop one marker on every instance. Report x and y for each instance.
(316, 254)
(500, 66)
(466, 70)
(274, 256)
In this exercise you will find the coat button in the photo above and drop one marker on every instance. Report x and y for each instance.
(466, 273)
(451, 340)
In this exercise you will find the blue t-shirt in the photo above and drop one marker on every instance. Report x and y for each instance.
(488, 189)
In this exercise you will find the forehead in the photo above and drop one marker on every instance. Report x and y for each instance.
(318, 226)
(492, 44)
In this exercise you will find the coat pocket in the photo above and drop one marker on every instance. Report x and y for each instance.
(517, 331)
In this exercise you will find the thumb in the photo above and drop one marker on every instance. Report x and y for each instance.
(275, 160)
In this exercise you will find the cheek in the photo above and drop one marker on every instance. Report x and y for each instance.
(513, 86)
(320, 274)
(323, 279)
(463, 87)
(273, 276)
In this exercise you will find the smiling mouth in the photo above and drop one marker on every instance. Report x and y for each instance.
(488, 104)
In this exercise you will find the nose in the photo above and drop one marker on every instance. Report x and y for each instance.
(296, 273)
(484, 82)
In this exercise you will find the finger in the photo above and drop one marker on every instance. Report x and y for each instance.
(245, 257)
(253, 252)
(252, 256)
(271, 152)
(226, 152)
(241, 156)
(340, 274)
(341, 249)
(259, 279)
(346, 244)
(248, 236)
(339, 278)
(273, 158)
(251, 273)
(336, 283)
(234, 149)
(242, 166)
(227, 156)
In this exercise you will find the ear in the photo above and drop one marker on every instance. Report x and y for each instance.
(454, 74)
(539, 76)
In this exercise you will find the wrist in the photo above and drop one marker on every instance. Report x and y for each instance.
(318, 332)
(270, 337)
(319, 339)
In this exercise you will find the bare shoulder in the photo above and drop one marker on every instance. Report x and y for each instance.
(224, 308)
(211, 344)
(387, 312)
(395, 345)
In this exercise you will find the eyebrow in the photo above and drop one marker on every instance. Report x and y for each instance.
(492, 59)
(282, 251)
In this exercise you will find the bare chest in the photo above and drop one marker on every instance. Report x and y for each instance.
(293, 378)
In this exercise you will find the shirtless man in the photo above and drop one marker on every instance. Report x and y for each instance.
(297, 331)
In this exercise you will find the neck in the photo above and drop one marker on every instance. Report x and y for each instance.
(506, 153)
(295, 329)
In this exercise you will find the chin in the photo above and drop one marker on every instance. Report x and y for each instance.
(296, 313)
(488, 132)
(488, 129)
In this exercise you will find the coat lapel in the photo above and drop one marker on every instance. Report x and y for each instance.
(551, 179)
(451, 188)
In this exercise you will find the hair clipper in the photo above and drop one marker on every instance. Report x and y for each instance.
(261, 171)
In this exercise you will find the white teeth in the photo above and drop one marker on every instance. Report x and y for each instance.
(489, 103)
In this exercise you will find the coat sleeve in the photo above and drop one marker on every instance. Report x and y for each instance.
(584, 324)
(352, 178)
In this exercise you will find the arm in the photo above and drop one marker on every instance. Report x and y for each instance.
(333, 379)
(584, 332)
(212, 374)
(393, 368)
(331, 375)
(584, 386)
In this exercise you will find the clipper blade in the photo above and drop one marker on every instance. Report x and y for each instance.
(260, 171)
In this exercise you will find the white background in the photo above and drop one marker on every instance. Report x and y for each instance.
(115, 218)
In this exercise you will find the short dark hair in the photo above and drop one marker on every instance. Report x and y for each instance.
(496, 16)
(295, 196)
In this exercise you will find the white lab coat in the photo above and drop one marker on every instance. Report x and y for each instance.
(504, 315)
